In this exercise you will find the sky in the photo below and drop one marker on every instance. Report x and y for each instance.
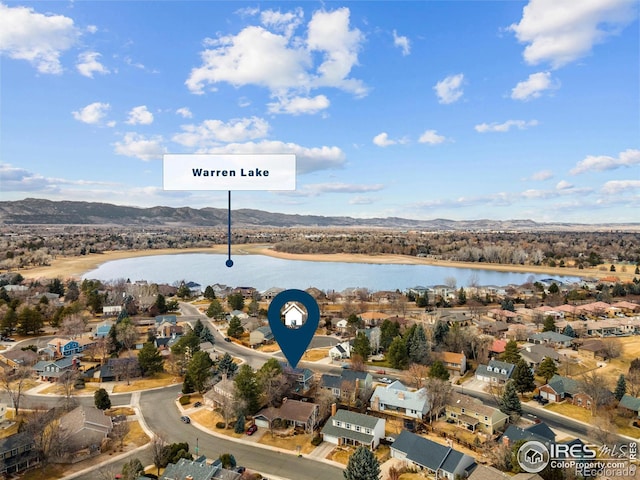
(461, 110)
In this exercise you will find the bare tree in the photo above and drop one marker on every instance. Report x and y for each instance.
(14, 383)
(438, 392)
(416, 375)
(357, 363)
(126, 334)
(73, 325)
(50, 440)
(480, 345)
(595, 385)
(274, 388)
(611, 347)
(119, 432)
(67, 381)
(158, 452)
(633, 383)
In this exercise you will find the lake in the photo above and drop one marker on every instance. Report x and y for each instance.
(263, 272)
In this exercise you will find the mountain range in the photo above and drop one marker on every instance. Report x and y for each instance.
(33, 211)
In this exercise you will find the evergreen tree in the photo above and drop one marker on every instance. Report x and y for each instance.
(209, 293)
(462, 296)
(235, 328)
(239, 426)
(132, 469)
(183, 291)
(621, 388)
(73, 293)
(199, 370)
(549, 324)
(227, 460)
(362, 465)
(511, 354)
(9, 321)
(30, 320)
(101, 399)
(248, 388)
(397, 354)
(417, 346)
(507, 304)
(56, 286)
(198, 328)
(553, 288)
(189, 342)
(215, 309)
(523, 377)
(438, 370)
(161, 304)
(388, 331)
(361, 346)
(150, 359)
(226, 365)
(547, 369)
(510, 403)
(569, 331)
(187, 384)
(440, 332)
(236, 301)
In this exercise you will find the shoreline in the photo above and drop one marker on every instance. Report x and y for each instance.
(75, 267)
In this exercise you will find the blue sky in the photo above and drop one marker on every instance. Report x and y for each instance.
(460, 110)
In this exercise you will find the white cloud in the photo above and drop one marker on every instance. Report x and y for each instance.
(402, 42)
(619, 186)
(88, 64)
(184, 112)
(542, 175)
(286, 22)
(283, 62)
(383, 140)
(91, 29)
(307, 159)
(449, 90)
(361, 200)
(431, 137)
(315, 189)
(299, 105)
(533, 86)
(563, 185)
(16, 179)
(140, 116)
(603, 162)
(92, 113)
(213, 132)
(505, 126)
(561, 31)
(37, 38)
(144, 148)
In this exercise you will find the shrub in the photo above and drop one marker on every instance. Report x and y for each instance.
(317, 440)
(221, 425)
(185, 399)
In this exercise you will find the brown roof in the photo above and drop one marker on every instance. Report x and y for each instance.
(450, 357)
(290, 410)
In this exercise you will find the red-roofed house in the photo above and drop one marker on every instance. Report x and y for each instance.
(498, 346)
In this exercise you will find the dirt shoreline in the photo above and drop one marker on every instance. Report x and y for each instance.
(75, 267)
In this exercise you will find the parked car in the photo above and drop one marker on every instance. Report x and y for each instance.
(227, 339)
(185, 419)
(197, 404)
(252, 429)
(386, 380)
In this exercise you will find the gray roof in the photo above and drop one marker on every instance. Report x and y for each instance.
(427, 453)
(354, 418)
(540, 433)
(553, 337)
(184, 468)
(330, 381)
(397, 395)
(495, 368)
(630, 402)
(563, 385)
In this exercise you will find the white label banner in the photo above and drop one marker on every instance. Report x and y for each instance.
(229, 172)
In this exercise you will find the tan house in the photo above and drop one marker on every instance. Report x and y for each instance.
(85, 427)
(470, 413)
(454, 362)
(292, 413)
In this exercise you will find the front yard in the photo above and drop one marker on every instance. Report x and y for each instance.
(342, 453)
(158, 380)
(289, 443)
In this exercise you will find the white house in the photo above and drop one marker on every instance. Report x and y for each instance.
(352, 428)
(340, 351)
(396, 399)
(293, 315)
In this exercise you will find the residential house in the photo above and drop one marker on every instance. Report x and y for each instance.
(454, 362)
(395, 399)
(497, 347)
(247, 293)
(103, 329)
(85, 427)
(291, 412)
(301, 378)
(294, 316)
(349, 385)
(168, 329)
(160, 319)
(18, 358)
(271, 293)
(221, 291)
(216, 396)
(17, 453)
(341, 326)
(472, 414)
(352, 428)
(553, 338)
(504, 315)
(439, 460)
(111, 310)
(341, 351)
(236, 313)
(198, 469)
(559, 388)
(195, 289)
(537, 432)
(495, 372)
(261, 336)
(630, 403)
(628, 308)
(64, 347)
(484, 472)
(373, 319)
(50, 370)
(117, 369)
(535, 354)
(593, 349)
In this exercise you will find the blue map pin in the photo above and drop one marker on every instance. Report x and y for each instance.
(289, 327)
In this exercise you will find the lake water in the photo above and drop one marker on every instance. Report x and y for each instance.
(262, 272)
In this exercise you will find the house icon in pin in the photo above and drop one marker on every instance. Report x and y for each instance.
(293, 316)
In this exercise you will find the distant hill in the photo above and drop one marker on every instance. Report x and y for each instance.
(47, 212)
